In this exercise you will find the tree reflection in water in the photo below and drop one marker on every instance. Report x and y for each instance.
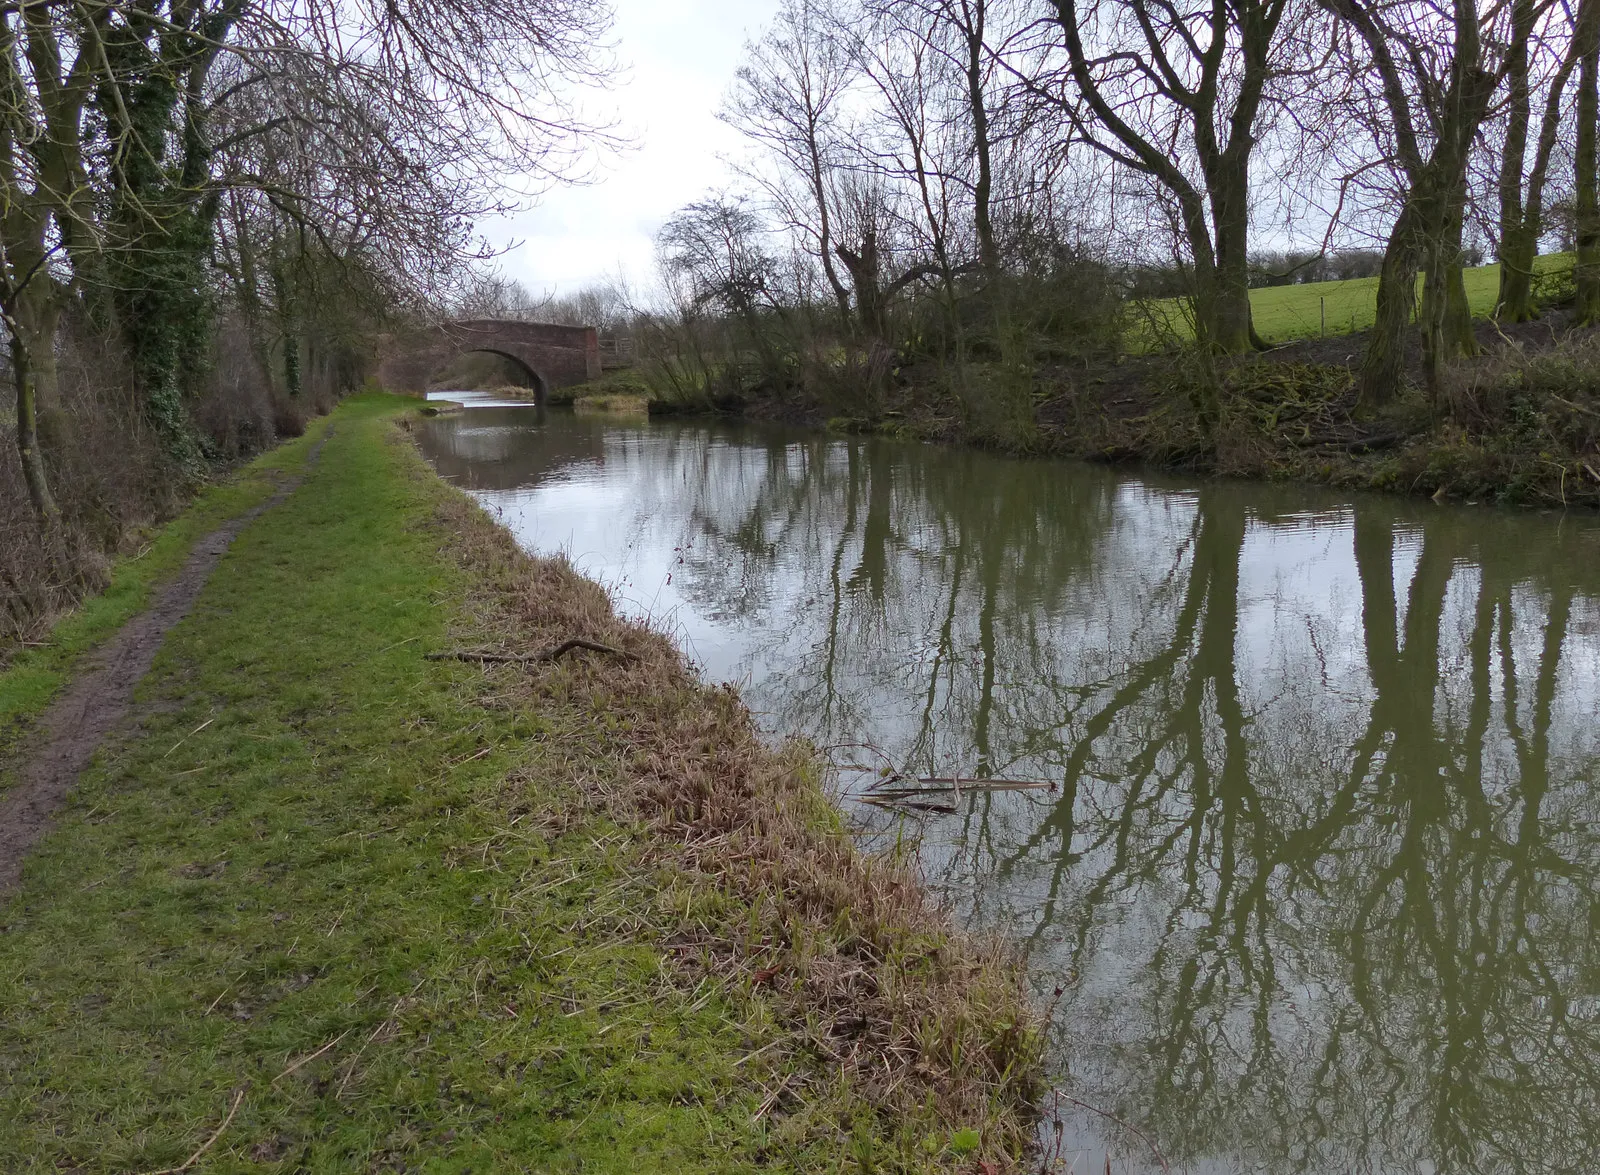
(1319, 881)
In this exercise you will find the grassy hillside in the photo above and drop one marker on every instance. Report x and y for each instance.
(1285, 313)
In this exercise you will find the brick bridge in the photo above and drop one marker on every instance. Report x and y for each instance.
(550, 356)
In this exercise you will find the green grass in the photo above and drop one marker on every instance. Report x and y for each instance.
(1286, 313)
(621, 381)
(615, 403)
(324, 877)
(35, 675)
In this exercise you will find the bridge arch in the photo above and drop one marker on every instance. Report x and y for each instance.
(554, 356)
(535, 378)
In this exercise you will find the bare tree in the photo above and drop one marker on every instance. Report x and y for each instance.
(788, 97)
(1586, 185)
(494, 295)
(1521, 182)
(715, 252)
(1157, 87)
(1435, 85)
(376, 128)
(958, 98)
(911, 159)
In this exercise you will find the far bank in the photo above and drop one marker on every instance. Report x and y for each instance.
(1517, 424)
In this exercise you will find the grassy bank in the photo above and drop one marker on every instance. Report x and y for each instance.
(1518, 422)
(622, 385)
(1514, 426)
(340, 907)
(615, 404)
(1517, 425)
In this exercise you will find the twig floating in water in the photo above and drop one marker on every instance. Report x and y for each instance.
(1133, 1130)
(933, 784)
(882, 801)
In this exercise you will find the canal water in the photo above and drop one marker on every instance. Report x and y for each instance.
(1315, 882)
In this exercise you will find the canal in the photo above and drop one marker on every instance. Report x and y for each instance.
(1308, 867)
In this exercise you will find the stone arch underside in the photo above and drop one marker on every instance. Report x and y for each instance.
(556, 356)
(533, 375)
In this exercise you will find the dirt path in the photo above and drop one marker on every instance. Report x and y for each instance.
(101, 694)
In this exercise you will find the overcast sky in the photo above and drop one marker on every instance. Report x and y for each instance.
(680, 57)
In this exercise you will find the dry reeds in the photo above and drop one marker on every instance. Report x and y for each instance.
(926, 1027)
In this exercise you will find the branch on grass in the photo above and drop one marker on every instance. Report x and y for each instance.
(188, 1163)
(1566, 403)
(549, 655)
(1374, 443)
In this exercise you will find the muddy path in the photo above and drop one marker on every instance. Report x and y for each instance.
(100, 696)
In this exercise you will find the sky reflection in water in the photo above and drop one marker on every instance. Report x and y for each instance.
(1319, 880)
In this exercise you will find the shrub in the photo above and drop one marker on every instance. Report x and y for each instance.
(110, 473)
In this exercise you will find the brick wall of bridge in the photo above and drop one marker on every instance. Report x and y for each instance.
(559, 356)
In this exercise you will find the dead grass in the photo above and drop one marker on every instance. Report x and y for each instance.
(514, 392)
(617, 404)
(927, 1028)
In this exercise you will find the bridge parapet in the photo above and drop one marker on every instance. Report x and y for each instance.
(554, 356)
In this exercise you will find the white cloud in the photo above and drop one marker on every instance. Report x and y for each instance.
(682, 56)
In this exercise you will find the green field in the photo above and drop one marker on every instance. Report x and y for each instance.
(1285, 313)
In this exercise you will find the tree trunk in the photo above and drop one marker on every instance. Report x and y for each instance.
(1426, 236)
(288, 328)
(291, 364)
(1586, 207)
(1519, 245)
(871, 323)
(983, 188)
(39, 318)
(1515, 300)
(1207, 296)
(33, 470)
(1446, 313)
(1221, 262)
(865, 279)
(249, 302)
(1427, 231)
(1459, 337)
(1230, 212)
(1384, 363)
